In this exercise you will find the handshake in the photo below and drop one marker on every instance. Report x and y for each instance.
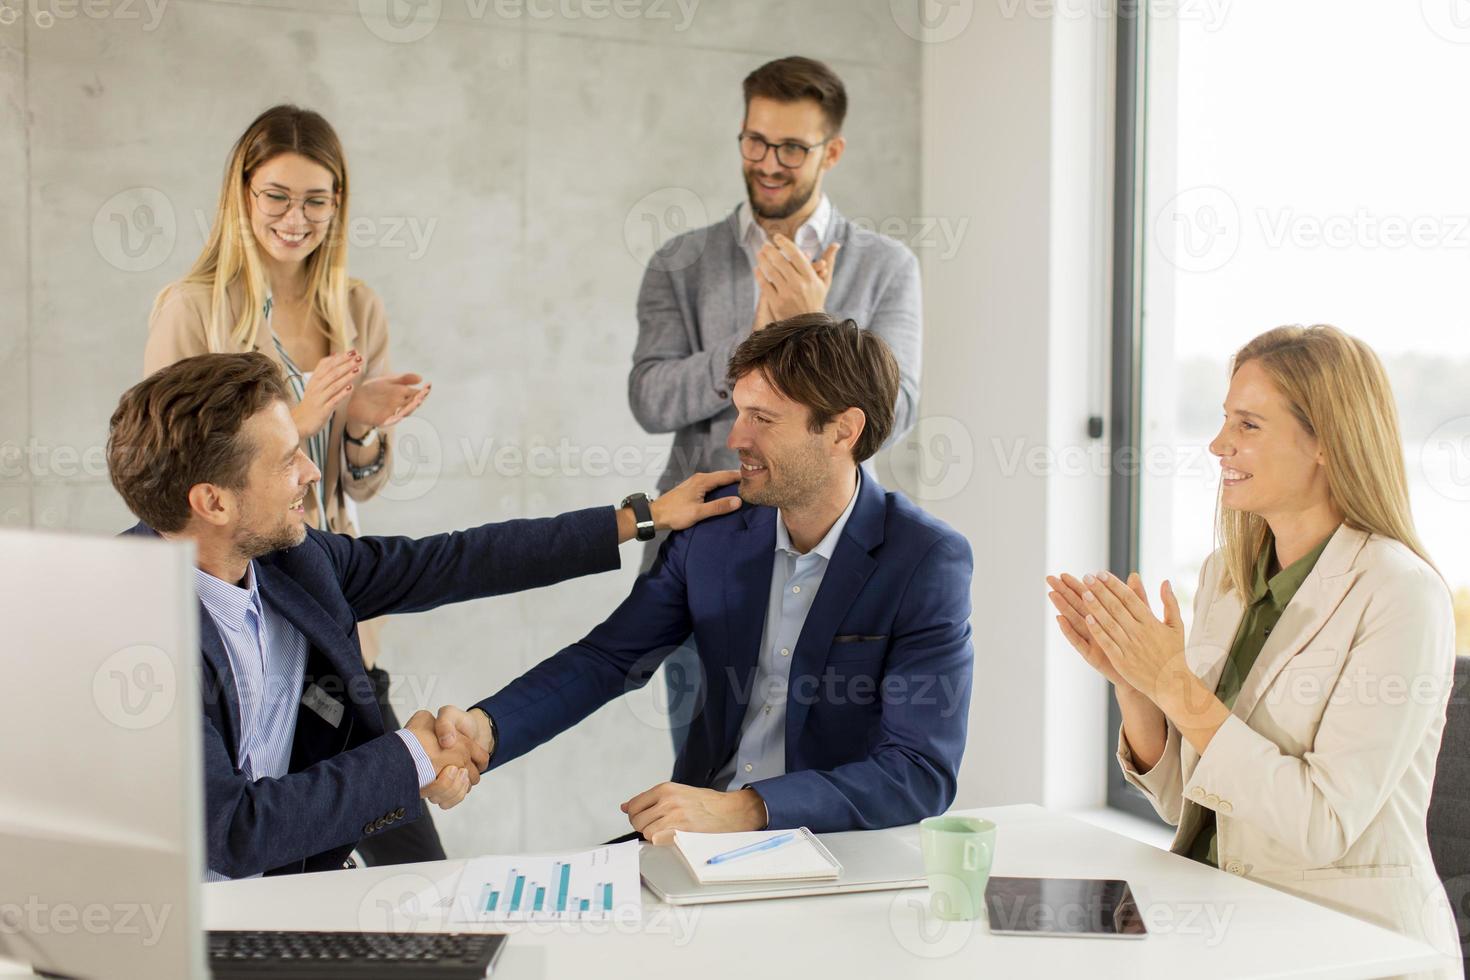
(459, 744)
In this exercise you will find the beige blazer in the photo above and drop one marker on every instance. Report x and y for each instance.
(178, 329)
(1320, 778)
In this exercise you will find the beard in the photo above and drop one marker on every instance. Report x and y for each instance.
(801, 479)
(800, 195)
(255, 538)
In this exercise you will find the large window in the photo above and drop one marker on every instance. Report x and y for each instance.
(1302, 162)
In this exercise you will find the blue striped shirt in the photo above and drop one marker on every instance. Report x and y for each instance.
(267, 657)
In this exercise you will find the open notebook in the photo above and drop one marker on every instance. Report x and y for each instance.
(802, 858)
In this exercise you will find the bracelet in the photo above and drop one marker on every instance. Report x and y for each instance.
(363, 472)
(365, 441)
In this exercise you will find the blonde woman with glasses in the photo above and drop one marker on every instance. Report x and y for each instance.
(1293, 738)
(273, 278)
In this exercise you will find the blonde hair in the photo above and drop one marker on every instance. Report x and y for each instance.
(1339, 393)
(231, 255)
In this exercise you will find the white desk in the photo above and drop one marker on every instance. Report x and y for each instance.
(1202, 923)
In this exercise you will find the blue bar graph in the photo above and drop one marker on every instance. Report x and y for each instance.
(553, 888)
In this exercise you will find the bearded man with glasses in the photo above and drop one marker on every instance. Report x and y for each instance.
(783, 252)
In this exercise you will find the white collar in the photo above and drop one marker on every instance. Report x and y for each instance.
(808, 237)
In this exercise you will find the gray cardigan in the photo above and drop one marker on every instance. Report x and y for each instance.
(696, 305)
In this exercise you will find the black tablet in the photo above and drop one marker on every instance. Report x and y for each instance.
(1063, 907)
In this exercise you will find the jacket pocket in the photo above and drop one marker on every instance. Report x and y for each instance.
(855, 647)
(1339, 872)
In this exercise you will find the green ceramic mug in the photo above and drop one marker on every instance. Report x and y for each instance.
(957, 856)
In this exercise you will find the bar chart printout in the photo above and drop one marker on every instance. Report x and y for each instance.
(595, 885)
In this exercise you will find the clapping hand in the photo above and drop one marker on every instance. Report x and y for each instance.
(386, 401)
(790, 283)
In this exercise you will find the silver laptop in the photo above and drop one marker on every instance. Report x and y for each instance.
(871, 861)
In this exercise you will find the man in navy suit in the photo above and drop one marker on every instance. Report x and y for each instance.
(297, 765)
(831, 619)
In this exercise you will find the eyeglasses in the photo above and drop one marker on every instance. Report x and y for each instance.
(316, 208)
(754, 148)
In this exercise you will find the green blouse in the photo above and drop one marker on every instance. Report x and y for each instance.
(1269, 597)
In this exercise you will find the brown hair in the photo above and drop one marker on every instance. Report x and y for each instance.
(180, 427)
(230, 255)
(829, 367)
(795, 78)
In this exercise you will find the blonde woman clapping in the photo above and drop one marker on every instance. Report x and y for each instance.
(1293, 738)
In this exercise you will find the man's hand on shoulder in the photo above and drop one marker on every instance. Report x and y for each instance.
(685, 505)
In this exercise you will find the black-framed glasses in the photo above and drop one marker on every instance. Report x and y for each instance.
(317, 208)
(790, 154)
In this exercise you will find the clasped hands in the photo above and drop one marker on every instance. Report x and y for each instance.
(462, 743)
(790, 284)
(458, 744)
(1109, 622)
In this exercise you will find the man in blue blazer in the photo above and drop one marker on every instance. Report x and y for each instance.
(298, 766)
(831, 619)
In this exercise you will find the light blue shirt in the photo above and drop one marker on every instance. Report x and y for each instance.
(267, 656)
(795, 581)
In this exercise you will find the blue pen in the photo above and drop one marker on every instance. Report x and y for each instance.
(765, 845)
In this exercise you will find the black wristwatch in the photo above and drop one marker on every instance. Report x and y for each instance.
(642, 513)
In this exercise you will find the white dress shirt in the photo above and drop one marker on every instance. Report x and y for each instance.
(809, 237)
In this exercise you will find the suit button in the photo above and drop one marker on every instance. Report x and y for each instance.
(1235, 867)
(380, 823)
(398, 814)
(1224, 807)
(367, 828)
(1212, 801)
(1197, 793)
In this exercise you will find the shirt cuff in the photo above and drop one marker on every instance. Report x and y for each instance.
(764, 809)
(420, 758)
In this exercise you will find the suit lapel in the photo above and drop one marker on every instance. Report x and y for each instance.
(1208, 649)
(747, 597)
(851, 565)
(1209, 644)
(218, 680)
(742, 283)
(1314, 603)
(323, 636)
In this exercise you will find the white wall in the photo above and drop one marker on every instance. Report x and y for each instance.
(535, 153)
(1014, 130)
